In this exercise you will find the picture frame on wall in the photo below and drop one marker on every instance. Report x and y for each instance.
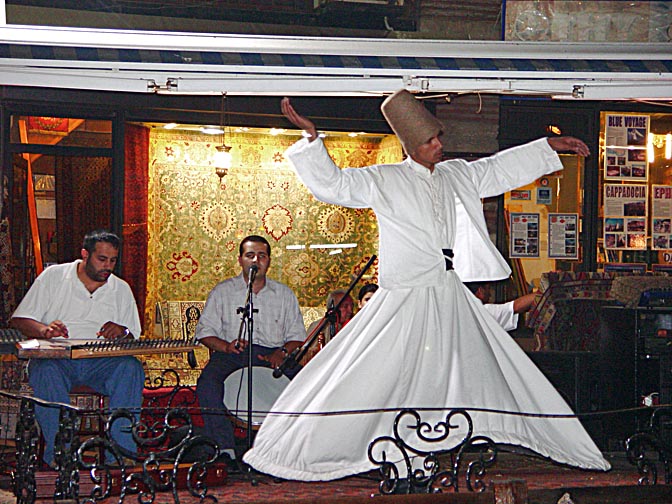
(524, 235)
(563, 235)
(636, 268)
(625, 155)
(662, 268)
(544, 196)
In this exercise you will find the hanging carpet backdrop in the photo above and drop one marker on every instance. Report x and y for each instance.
(195, 223)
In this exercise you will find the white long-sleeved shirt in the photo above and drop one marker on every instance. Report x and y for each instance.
(278, 320)
(421, 212)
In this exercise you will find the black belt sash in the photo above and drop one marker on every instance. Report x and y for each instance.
(448, 256)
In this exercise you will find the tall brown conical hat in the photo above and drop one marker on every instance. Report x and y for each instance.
(410, 120)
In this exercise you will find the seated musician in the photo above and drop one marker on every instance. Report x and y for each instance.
(336, 320)
(83, 300)
(278, 330)
(365, 293)
(506, 314)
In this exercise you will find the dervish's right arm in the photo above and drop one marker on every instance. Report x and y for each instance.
(350, 187)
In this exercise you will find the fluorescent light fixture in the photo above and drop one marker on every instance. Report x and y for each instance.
(336, 251)
(625, 88)
(333, 245)
(187, 76)
(295, 247)
(211, 130)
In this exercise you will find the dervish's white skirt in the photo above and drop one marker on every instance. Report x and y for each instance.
(433, 347)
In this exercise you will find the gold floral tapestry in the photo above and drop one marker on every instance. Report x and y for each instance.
(196, 223)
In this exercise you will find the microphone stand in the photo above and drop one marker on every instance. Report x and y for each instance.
(248, 312)
(295, 356)
(333, 316)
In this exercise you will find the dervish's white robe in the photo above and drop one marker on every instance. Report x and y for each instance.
(423, 340)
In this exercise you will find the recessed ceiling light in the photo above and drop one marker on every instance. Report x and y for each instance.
(212, 130)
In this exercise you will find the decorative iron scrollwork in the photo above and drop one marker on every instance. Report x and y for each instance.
(648, 448)
(164, 446)
(27, 438)
(66, 445)
(410, 459)
(166, 442)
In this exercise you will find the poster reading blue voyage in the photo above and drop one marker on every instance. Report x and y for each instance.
(625, 142)
(625, 216)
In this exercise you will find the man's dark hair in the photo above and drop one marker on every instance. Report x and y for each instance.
(474, 286)
(366, 289)
(254, 238)
(100, 235)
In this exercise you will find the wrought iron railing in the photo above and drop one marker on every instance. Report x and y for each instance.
(171, 455)
(418, 456)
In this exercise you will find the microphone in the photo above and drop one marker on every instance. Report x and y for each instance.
(333, 318)
(253, 272)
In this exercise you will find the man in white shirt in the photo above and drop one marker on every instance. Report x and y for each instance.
(506, 314)
(83, 300)
(278, 331)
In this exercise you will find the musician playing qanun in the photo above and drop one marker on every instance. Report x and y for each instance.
(83, 300)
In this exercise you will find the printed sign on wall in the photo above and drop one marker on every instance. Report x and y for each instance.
(524, 235)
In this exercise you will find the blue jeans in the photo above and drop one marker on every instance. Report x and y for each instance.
(122, 379)
(210, 391)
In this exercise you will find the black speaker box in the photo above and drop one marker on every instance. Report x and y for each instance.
(576, 376)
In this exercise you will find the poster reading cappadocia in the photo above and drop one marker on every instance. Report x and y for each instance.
(524, 235)
(661, 216)
(625, 221)
(625, 142)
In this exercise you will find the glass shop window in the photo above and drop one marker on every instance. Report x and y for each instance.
(543, 224)
(635, 197)
(60, 189)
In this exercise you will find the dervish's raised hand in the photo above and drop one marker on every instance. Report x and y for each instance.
(298, 120)
(570, 144)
